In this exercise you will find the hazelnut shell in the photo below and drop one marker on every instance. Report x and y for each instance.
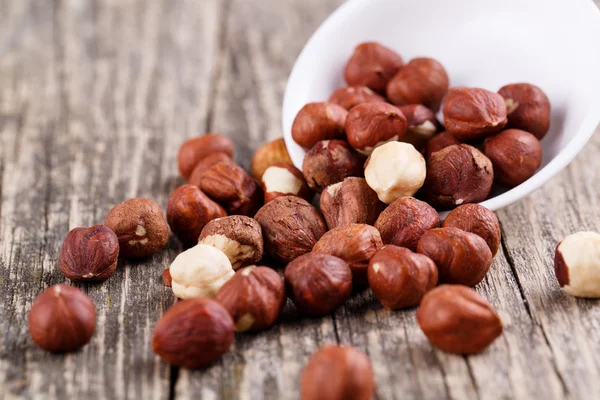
(370, 125)
(439, 142)
(528, 108)
(372, 65)
(351, 96)
(195, 149)
(478, 220)
(329, 162)
(319, 121)
(267, 155)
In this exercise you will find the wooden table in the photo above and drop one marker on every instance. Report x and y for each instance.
(95, 99)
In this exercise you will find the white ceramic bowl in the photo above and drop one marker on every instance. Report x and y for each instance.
(554, 44)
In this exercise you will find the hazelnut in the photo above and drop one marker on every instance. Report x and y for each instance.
(399, 278)
(369, 125)
(473, 113)
(188, 211)
(351, 96)
(329, 162)
(461, 257)
(395, 170)
(577, 264)
(372, 65)
(478, 220)
(254, 298)
(355, 244)
(203, 166)
(199, 272)
(62, 318)
(166, 278)
(421, 81)
(439, 142)
(422, 125)
(350, 201)
(338, 373)
(291, 226)
(319, 121)
(318, 283)
(405, 221)
(456, 175)
(528, 108)
(195, 149)
(140, 227)
(267, 155)
(283, 179)
(238, 236)
(457, 320)
(193, 333)
(89, 253)
(515, 155)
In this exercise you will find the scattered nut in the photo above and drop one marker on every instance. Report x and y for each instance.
(195, 149)
(329, 162)
(267, 155)
(577, 264)
(370, 125)
(528, 108)
(319, 121)
(372, 65)
(439, 142)
(350, 201)
(166, 278)
(422, 125)
(351, 96)
(203, 166)
(478, 220)
(282, 179)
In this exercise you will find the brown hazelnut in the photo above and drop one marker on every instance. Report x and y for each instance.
(577, 264)
(283, 179)
(195, 149)
(439, 142)
(405, 221)
(351, 96)
(319, 121)
(193, 333)
(528, 108)
(457, 320)
(238, 236)
(89, 253)
(515, 155)
(461, 257)
(421, 81)
(422, 125)
(372, 65)
(204, 164)
(370, 125)
(473, 113)
(338, 373)
(329, 162)
(62, 318)
(254, 297)
(188, 211)
(318, 283)
(166, 278)
(267, 155)
(291, 226)
(478, 220)
(140, 227)
(399, 278)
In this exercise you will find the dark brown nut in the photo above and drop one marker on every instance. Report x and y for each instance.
(238, 236)
(338, 373)
(515, 155)
(283, 179)
(478, 220)
(188, 211)
(528, 108)
(370, 125)
(457, 320)
(473, 113)
(140, 227)
(400, 278)
(291, 226)
(62, 318)
(318, 283)
(422, 125)
(577, 264)
(193, 333)
(195, 149)
(319, 121)
(89, 254)
(372, 65)
(421, 81)
(350, 201)
(329, 162)
(461, 257)
(439, 142)
(456, 175)
(267, 155)
(405, 221)
(254, 297)
(166, 278)
(351, 96)
(203, 166)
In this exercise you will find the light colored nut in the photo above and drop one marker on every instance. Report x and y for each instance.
(372, 65)
(283, 179)
(577, 264)
(319, 121)
(329, 162)
(351, 96)
(528, 108)
(267, 155)
(422, 125)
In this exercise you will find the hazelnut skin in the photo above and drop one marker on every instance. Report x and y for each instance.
(351, 96)
(318, 283)
(439, 142)
(267, 155)
(422, 125)
(372, 65)
(89, 254)
(283, 179)
(457, 320)
(195, 149)
(193, 333)
(203, 166)
(478, 220)
(62, 319)
(577, 264)
(166, 278)
(319, 121)
(329, 162)
(528, 108)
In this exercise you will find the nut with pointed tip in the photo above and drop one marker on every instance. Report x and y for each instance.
(329, 162)
(528, 108)
(439, 142)
(195, 149)
(372, 65)
(267, 155)
(478, 220)
(577, 264)
(319, 121)
(283, 179)
(351, 96)
(203, 166)
(422, 125)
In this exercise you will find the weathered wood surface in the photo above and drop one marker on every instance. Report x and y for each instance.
(95, 98)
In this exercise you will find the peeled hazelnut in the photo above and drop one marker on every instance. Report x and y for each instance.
(338, 373)
(399, 278)
(195, 149)
(515, 155)
(405, 221)
(89, 253)
(193, 333)
(282, 179)
(528, 108)
(203, 166)
(461, 257)
(318, 283)
(439, 142)
(372, 65)
(422, 125)
(329, 162)
(457, 320)
(140, 227)
(319, 121)
(166, 278)
(291, 226)
(577, 264)
(352, 96)
(421, 81)
(478, 220)
(473, 113)
(62, 318)
(350, 201)
(395, 170)
(267, 155)
(254, 298)
(238, 236)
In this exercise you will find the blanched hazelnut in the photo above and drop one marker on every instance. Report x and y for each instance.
(319, 121)
(528, 108)
(439, 142)
(283, 179)
(203, 166)
(478, 220)
(351, 96)
(267, 155)
(422, 125)
(195, 149)
(372, 65)
(329, 162)
(577, 264)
